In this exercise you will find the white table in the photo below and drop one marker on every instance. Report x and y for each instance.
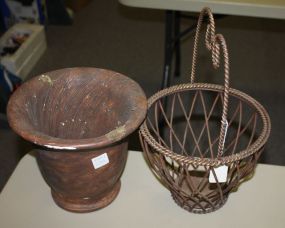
(252, 8)
(142, 202)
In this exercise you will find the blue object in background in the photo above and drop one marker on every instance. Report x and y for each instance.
(8, 84)
(7, 18)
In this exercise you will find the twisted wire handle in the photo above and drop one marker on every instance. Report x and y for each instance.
(214, 43)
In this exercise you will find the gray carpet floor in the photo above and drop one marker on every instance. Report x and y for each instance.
(108, 35)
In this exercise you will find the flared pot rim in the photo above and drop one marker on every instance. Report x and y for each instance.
(138, 114)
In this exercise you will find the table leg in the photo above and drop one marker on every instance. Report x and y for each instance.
(168, 49)
(168, 52)
(177, 18)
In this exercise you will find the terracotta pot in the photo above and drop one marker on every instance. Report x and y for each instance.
(79, 119)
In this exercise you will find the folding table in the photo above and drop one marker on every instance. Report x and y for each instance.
(174, 12)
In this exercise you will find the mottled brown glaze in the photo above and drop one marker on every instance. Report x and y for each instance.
(75, 184)
(74, 115)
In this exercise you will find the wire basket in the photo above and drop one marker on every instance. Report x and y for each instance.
(209, 138)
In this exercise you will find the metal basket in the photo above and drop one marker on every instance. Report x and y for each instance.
(208, 140)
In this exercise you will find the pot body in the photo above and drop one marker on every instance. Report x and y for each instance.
(74, 115)
(75, 183)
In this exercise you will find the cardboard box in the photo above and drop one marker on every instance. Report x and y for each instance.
(24, 59)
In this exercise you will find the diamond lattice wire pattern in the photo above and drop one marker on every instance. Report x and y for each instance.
(192, 122)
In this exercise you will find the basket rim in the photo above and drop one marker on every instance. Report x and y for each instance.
(257, 145)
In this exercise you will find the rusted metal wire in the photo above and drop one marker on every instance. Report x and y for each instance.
(205, 126)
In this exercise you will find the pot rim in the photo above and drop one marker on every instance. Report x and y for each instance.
(29, 133)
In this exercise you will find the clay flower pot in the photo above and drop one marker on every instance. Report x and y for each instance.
(79, 118)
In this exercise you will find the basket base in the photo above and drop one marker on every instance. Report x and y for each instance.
(198, 210)
(85, 205)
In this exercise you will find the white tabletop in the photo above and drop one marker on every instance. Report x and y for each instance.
(142, 202)
(254, 8)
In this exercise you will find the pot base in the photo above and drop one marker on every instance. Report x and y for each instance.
(81, 205)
